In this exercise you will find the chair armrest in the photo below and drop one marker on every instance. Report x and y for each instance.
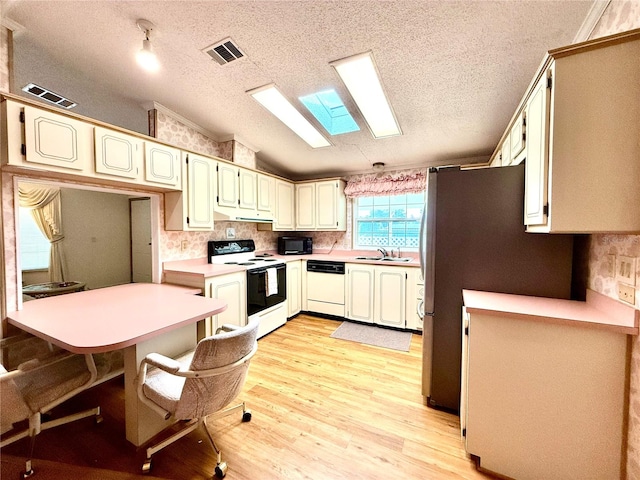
(227, 327)
(167, 364)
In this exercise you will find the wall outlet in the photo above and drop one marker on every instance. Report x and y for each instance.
(184, 245)
(231, 233)
(626, 270)
(611, 265)
(627, 293)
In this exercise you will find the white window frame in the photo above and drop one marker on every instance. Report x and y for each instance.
(390, 244)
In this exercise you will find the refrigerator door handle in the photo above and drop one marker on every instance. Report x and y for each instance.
(429, 239)
(422, 251)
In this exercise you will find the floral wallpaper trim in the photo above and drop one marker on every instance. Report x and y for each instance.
(395, 183)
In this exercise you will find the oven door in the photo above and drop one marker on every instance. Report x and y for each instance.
(257, 279)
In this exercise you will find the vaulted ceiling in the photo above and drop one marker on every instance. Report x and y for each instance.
(454, 71)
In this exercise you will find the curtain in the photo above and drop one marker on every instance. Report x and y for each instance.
(393, 183)
(44, 203)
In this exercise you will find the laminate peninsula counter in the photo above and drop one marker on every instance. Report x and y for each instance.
(138, 317)
(544, 385)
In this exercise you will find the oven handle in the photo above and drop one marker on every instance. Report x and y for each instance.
(256, 271)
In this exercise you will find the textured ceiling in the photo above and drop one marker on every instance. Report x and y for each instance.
(453, 70)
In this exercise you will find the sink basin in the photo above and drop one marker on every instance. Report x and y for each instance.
(386, 259)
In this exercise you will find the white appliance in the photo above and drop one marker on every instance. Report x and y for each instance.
(266, 280)
(325, 287)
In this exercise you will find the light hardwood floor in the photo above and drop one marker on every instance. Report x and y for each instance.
(322, 409)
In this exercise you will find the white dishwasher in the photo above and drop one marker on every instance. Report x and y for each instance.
(325, 287)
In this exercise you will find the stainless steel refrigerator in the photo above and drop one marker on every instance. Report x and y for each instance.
(473, 237)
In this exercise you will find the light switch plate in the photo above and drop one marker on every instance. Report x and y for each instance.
(626, 270)
(611, 265)
(627, 293)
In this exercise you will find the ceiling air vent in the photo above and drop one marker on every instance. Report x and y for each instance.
(48, 95)
(224, 51)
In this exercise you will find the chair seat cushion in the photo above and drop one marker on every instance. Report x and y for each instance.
(45, 385)
(163, 388)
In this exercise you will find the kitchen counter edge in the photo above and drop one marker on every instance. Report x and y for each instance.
(598, 311)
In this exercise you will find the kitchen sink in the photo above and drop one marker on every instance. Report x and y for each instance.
(386, 259)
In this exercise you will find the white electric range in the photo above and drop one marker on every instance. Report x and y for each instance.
(266, 280)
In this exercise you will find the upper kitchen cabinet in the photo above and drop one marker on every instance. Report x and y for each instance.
(117, 154)
(237, 197)
(284, 218)
(582, 150)
(192, 209)
(60, 145)
(162, 165)
(37, 138)
(321, 205)
(266, 193)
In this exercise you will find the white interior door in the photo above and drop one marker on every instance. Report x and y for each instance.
(141, 257)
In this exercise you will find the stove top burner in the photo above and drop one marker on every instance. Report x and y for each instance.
(246, 263)
(270, 260)
(230, 263)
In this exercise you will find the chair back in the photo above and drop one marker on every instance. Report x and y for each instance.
(204, 395)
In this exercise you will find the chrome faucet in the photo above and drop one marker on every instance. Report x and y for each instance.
(383, 252)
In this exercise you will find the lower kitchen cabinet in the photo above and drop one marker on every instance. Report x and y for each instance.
(294, 288)
(377, 294)
(231, 288)
(390, 296)
(360, 289)
(542, 400)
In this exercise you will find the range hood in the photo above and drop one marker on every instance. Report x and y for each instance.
(241, 215)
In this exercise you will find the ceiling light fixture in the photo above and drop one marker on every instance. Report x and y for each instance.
(360, 76)
(146, 57)
(270, 98)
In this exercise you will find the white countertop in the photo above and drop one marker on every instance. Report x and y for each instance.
(598, 311)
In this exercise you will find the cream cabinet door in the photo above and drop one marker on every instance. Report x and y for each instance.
(162, 165)
(360, 283)
(305, 206)
(117, 154)
(284, 206)
(266, 193)
(517, 136)
(326, 205)
(227, 185)
(58, 141)
(232, 289)
(505, 152)
(200, 192)
(248, 186)
(294, 288)
(537, 164)
(390, 296)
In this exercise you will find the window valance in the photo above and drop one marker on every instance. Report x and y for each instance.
(392, 183)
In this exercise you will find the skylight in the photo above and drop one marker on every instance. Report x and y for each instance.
(329, 110)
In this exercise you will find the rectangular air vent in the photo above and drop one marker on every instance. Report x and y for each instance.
(49, 96)
(224, 51)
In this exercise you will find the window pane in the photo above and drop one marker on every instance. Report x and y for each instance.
(388, 221)
(34, 246)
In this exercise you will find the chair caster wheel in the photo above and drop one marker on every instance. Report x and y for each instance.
(246, 416)
(146, 466)
(28, 474)
(221, 469)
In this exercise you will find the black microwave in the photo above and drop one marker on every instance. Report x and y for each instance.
(294, 245)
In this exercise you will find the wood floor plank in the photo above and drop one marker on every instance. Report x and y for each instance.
(323, 408)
